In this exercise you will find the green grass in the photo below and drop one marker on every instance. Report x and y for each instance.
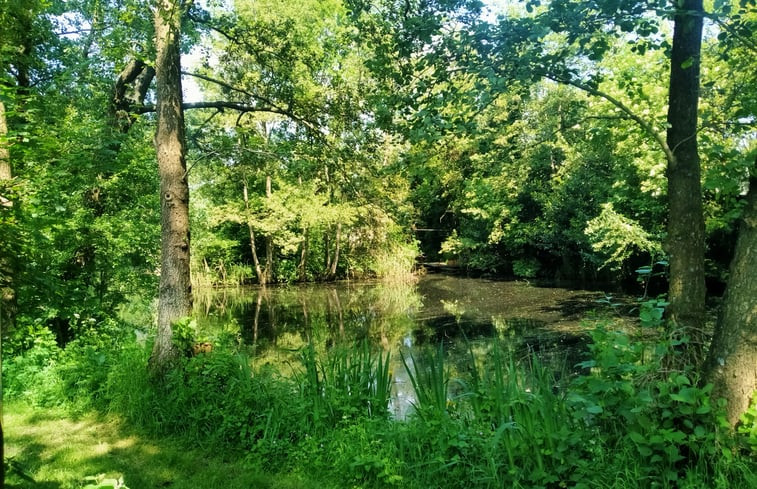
(214, 421)
(59, 452)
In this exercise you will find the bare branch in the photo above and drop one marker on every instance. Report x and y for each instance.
(239, 106)
(218, 82)
(268, 105)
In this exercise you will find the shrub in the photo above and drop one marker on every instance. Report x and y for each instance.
(29, 358)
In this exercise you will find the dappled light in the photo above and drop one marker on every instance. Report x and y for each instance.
(378, 243)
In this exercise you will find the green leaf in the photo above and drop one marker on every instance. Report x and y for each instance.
(595, 409)
(704, 409)
(687, 395)
(637, 437)
(687, 64)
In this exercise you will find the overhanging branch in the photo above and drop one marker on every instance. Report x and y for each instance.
(645, 125)
(238, 106)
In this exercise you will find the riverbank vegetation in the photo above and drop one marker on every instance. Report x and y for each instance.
(593, 141)
(619, 421)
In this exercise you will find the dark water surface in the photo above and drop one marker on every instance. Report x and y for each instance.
(462, 314)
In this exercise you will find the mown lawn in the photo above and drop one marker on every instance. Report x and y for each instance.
(59, 452)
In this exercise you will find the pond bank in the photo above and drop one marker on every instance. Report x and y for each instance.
(60, 451)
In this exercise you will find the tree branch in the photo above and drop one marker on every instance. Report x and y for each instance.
(239, 106)
(220, 83)
(269, 105)
(645, 125)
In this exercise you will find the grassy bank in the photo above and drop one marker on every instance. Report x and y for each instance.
(215, 421)
(60, 451)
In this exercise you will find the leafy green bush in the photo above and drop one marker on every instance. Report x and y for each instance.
(668, 420)
(526, 267)
(747, 428)
(29, 357)
(507, 422)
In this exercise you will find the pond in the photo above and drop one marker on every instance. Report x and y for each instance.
(464, 315)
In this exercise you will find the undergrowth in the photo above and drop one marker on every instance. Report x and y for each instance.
(616, 421)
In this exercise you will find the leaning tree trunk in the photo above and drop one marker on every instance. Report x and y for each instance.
(175, 300)
(248, 217)
(686, 243)
(268, 238)
(733, 355)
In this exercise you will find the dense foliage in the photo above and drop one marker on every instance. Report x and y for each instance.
(510, 422)
(331, 139)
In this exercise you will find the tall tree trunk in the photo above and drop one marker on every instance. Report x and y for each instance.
(686, 244)
(303, 255)
(175, 300)
(337, 245)
(268, 239)
(7, 292)
(248, 217)
(733, 356)
(7, 267)
(5, 157)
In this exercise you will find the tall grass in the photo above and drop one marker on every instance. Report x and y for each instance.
(430, 381)
(506, 422)
(349, 383)
(515, 410)
(231, 275)
(395, 264)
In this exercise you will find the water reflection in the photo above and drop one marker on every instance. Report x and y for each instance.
(463, 314)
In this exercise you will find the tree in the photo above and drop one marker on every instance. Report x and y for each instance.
(686, 243)
(733, 354)
(175, 296)
(564, 40)
(732, 359)
(7, 294)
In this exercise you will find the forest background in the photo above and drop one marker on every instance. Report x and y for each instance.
(339, 140)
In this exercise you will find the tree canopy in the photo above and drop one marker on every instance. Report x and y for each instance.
(581, 140)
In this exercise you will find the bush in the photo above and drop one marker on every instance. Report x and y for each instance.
(29, 357)
(617, 423)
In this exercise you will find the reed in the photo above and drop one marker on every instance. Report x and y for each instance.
(396, 264)
(430, 380)
(345, 383)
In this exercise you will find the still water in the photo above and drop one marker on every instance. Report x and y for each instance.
(461, 314)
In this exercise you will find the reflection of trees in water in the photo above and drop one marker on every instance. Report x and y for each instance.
(275, 322)
(468, 317)
(325, 315)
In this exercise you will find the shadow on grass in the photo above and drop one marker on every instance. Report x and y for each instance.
(59, 452)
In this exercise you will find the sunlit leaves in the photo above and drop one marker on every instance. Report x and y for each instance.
(619, 237)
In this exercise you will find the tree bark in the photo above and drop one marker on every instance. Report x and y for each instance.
(248, 217)
(303, 255)
(5, 157)
(268, 239)
(7, 292)
(686, 240)
(8, 304)
(129, 91)
(175, 299)
(337, 245)
(732, 361)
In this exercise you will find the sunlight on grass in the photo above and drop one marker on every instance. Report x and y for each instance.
(60, 452)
